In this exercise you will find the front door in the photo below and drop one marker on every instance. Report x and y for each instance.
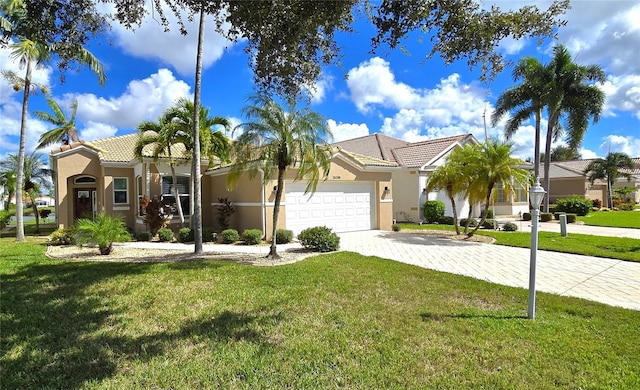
(84, 203)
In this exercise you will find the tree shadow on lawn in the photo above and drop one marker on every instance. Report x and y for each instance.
(57, 333)
(442, 316)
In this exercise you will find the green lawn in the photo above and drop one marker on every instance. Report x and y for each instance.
(626, 219)
(621, 248)
(336, 320)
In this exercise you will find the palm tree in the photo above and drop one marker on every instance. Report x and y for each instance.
(29, 51)
(66, 132)
(527, 99)
(163, 137)
(495, 167)
(569, 96)
(610, 169)
(36, 178)
(8, 183)
(275, 140)
(450, 177)
(214, 145)
(103, 231)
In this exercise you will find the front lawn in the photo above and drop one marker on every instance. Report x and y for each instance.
(621, 248)
(336, 320)
(625, 219)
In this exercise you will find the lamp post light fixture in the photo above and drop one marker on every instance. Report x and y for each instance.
(536, 194)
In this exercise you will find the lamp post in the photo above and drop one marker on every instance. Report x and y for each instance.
(536, 194)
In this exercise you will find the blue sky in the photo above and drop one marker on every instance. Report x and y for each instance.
(390, 92)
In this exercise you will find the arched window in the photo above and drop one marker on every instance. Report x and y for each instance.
(84, 180)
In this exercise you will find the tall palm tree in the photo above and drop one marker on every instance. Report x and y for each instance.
(275, 140)
(36, 177)
(214, 145)
(526, 99)
(66, 132)
(450, 177)
(570, 95)
(162, 137)
(495, 167)
(610, 169)
(29, 51)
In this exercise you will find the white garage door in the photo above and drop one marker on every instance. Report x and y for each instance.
(343, 207)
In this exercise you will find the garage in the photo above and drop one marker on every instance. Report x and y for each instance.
(343, 207)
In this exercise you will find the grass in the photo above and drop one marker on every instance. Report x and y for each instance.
(620, 248)
(337, 320)
(624, 219)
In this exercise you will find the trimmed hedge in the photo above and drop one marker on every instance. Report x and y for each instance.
(472, 223)
(143, 236)
(574, 204)
(319, 239)
(229, 236)
(488, 224)
(185, 234)
(433, 210)
(571, 218)
(395, 227)
(446, 220)
(207, 234)
(252, 236)
(546, 217)
(510, 227)
(526, 216)
(165, 235)
(284, 236)
(64, 236)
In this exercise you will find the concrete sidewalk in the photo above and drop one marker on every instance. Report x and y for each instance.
(613, 282)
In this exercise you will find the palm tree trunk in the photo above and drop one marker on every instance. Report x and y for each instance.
(34, 207)
(21, 156)
(455, 215)
(197, 194)
(553, 119)
(273, 253)
(487, 203)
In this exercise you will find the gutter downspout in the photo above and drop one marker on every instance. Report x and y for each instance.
(53, 165)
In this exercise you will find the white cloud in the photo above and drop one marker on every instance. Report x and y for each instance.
(143, 100)
(151, 41)
(372, 82)
(623, 144)
(93, 131)
(623, 94)
(588, 154)
(342, 131)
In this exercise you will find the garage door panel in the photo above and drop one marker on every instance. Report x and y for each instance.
(340, 206)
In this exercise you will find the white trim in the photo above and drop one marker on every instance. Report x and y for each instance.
(386, 200)
(368, 168)
(240, 204)
(71, 150)
(121, 208)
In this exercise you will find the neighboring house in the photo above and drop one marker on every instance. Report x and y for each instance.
(105, 176)
(416, 160)
(568, 178)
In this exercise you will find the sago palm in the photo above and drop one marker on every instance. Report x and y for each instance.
(275, 140)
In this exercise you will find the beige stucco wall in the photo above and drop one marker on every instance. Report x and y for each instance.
(67, 168)
(406, 195)
(128, 210)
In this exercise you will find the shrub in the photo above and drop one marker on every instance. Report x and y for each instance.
(596, 203)
(395, 227)
(626, 206)
(284, 236)
(186, 234)
(557, 215)
(252, 236)
(102, 231)
(62, 236)
(207, 234)
(5, 216)
(488, 223)
(510, 227)
(472, 222)
(526, 216)
(433, 210)
(546, 217)
(319, 239)
(574, 204)
(153, 214)
(44, 213)
(446, 220)
(488, 212)
(230, 236)
(165, 235)
(571, 218)
(143, 236)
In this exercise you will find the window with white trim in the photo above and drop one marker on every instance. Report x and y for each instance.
(120, 190)
(141, 209)
(168, 199)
